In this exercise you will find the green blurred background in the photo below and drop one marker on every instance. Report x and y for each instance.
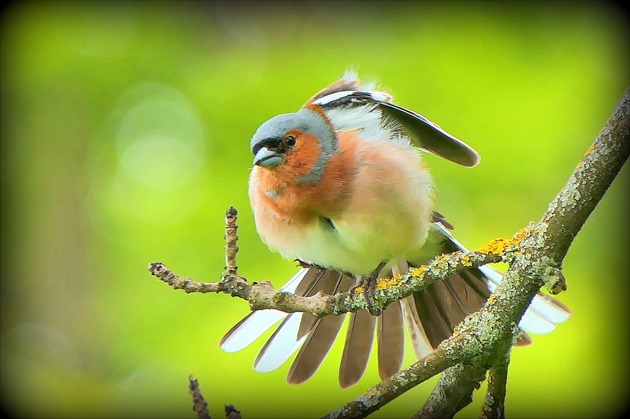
(125, 135)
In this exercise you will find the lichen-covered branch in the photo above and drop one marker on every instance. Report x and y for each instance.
(589, 182)
(230, 241)
(453, 391)
(262, 295)
(494, 400)
(458, 348)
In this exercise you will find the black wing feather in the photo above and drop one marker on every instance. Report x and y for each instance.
(423, 133)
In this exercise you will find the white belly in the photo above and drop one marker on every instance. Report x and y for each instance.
(360, 239)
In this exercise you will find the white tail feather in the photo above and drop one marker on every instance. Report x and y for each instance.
(543, 305)
(535, 323)
(543, 314)
(251, 329)
(257, 323)
(281, 345)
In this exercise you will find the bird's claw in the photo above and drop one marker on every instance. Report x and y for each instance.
(368, 294)
(368, 285)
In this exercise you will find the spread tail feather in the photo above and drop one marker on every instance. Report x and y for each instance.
(320, 336)
(252, 326)
(391, 340)
(430, 316)
(356, 351)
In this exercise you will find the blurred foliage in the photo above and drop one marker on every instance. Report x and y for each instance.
(125, 134)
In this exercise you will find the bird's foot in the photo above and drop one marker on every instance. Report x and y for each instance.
(303, 264)
(368, 285)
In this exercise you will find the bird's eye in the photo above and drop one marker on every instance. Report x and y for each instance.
(290, 141)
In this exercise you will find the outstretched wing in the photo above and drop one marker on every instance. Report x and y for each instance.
(347, 103)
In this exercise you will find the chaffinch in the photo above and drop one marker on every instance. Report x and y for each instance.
(340, 185)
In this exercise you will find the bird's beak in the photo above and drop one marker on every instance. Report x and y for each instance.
(267, 158)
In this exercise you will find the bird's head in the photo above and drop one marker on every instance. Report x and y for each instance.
(298, 144)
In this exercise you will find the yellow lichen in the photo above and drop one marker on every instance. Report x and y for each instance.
(520, 235)
(496, 246)
(388, 282)
(419, 271)
(586, 153)
(466, 260)
(370, 392)
(590, 150)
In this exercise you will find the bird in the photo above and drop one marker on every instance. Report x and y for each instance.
(341, 187)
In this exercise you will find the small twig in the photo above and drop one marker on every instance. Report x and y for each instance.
(494, 400)
(200, 406)
(159, 270)
(231, 412)
(230, 241)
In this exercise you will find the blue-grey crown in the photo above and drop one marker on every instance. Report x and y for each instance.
(304, 120)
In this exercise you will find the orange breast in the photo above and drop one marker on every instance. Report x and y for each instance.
(293, 201)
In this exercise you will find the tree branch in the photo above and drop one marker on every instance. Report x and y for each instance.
(589, 182)
(453, 391)
(458, 348)
(263, 295)
(494, 401)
